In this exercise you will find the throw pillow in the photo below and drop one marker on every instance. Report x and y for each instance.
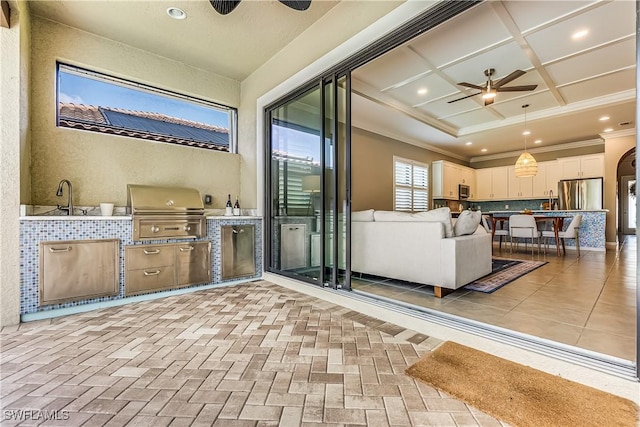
(467, 223)
(442, 215)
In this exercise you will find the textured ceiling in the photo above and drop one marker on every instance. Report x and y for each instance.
(232, 45)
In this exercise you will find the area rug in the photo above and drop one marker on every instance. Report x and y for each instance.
(503, 271)
(519, 395)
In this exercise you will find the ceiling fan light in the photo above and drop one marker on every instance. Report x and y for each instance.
(489, 94)
(526, 165)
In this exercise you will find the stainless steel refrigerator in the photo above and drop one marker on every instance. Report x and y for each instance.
(580, 194)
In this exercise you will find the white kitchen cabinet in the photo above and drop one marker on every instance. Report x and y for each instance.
(445, 178)
(546, 179)
(519, 188)
(587, 166)
(491, 183)
(468, 177)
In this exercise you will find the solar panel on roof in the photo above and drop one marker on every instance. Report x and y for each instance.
(177, 130)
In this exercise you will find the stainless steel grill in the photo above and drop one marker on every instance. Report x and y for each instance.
(165, 212)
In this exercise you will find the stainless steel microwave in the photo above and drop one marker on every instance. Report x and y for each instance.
(463, 191)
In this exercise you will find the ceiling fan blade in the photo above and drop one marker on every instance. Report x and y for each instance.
(471, 85)
(464, 97)
(488, 101)
(516, 88)
(297, 4)
(507, 79)
(224, 7)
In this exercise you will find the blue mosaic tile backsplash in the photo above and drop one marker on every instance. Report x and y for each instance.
(32, 232)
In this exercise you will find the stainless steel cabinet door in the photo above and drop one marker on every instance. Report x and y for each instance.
(292, 247)
(193, 263)
(238, 251)
(78, 269)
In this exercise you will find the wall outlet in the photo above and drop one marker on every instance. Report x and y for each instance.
(208, 199)
(506, 206)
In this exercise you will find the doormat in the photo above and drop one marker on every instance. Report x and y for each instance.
(519, 395)
(503, 271)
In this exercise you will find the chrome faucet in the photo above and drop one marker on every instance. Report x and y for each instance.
(550, 197)
(69, 207)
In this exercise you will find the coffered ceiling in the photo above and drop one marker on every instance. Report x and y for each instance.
(407, 92)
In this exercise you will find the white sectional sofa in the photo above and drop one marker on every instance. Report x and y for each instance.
(415, 247)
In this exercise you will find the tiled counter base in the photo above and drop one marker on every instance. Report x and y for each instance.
(34, 230)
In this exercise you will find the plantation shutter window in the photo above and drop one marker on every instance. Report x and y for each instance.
(411, 185)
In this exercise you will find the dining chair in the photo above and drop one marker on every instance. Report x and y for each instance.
(570, 233)
(524, 227)
(498, 232)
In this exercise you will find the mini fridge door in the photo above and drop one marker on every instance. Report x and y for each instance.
(238, 251)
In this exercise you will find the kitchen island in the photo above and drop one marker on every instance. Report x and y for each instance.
(592, 229)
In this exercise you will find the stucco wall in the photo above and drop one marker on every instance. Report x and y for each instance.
(14, 137)
(99, 165)
(616, 146)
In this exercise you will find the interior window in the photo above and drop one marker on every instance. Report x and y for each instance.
(410, 189)
(95, 102)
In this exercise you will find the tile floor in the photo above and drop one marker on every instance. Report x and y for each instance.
(254, 354)
(587, 302)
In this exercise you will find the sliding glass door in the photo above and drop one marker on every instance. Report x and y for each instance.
(307, 175)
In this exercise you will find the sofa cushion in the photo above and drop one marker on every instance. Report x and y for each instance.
(467, 223)
(392, 216)
(442, 215)
(362, 216)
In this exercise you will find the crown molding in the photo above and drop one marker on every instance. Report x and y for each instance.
(618, 134)
(547, 149)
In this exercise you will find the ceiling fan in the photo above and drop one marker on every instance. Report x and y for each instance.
(225, 7)
(490, 88)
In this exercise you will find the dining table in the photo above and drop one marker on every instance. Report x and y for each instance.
(556, 221)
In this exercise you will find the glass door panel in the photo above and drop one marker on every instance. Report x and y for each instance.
(295, 156)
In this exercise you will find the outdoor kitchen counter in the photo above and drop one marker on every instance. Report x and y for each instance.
(41, 228)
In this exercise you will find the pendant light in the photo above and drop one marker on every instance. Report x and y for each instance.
(526, 164)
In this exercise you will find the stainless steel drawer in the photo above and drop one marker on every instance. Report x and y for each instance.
(78, 269)
(137, 257)
(149, 280)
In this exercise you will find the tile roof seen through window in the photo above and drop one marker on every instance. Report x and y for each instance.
(145, 125)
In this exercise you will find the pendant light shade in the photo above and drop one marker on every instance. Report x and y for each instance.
(526, 164)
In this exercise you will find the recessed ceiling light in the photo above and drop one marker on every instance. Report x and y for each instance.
(526, 132)
(604, 118)
(608, 130)
(537, 141)
(468, 143)
(579, 34)
(176, 13)
(484, 150)
(422, 91)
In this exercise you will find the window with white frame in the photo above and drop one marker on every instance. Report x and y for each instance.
(411, 185)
